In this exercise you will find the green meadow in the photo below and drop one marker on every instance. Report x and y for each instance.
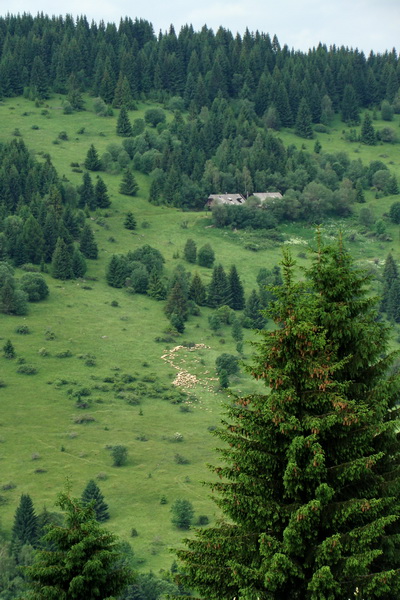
(101, 346)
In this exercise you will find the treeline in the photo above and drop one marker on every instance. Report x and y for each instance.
(45, 54)
(42, 219)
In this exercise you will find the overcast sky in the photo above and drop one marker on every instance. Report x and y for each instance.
(301, 24)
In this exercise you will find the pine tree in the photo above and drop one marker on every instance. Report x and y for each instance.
(61, 264)
(129, 186)
(310, 478)
(83, 560)
(236, 291)
(130, 221)
(101, 197)
(190, 251)
(92, 494)
(368, 135)
(88, 245)
(124, 127)
(25, 527)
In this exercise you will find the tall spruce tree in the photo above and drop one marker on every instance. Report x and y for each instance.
(236, 291)
(82, 559)
(190, 251)
(92, 494)
(253, 312)
(88, 245)
(197, 290)
(218, 292)
(124, 127)
(310, 482)
(25, 527)
(303, 126)
(101, 197)
(390, 275)
(61, 264)
(128, 186)
(368, 135)
(92, 161)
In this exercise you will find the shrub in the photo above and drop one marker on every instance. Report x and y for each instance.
(22, 329)
(181, 460)
(27, 370)
(35, 286)
(203, 520)
(182, 513)
(227, 362)
(120, 455)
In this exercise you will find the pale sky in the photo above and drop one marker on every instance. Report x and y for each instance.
(301, 24)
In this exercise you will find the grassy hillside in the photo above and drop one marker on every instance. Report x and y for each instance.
(107, 351)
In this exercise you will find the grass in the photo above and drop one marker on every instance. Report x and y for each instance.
(41, 443)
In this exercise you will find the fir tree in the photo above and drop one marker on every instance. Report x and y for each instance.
(92, 495)
(129, 186)
(190, 251)
(310, 478)
(218, 292)
(88, 245)
(236, 291)
(61, 264)
(117, 271)
(156, 288)
(197, 290)
(33, 240)
(303, 126)
(177, 302)
(79, 266)
(368, 135)
(9, 350)
(130, 221)
(393, 302)
(390, 275)
(254, 318)
(101, 197)
(83, 561)
(25, 527)
(92, 161)
(86, 192)
(350, 106)
(124, 127)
